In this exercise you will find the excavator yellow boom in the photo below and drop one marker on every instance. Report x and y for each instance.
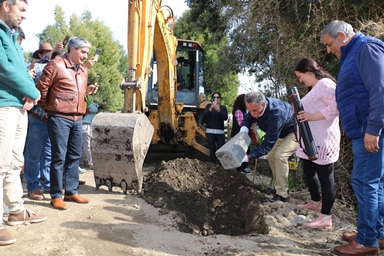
(121, 140)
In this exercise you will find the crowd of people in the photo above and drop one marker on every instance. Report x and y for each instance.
(45, 122)
(41, 116)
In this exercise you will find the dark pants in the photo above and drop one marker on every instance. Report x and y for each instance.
(215, 141)
(66, 149)
(320, 177)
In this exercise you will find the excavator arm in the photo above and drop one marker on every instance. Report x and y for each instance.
(149, 31)
(121, 140)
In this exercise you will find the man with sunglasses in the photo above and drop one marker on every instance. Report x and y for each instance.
(275, 118)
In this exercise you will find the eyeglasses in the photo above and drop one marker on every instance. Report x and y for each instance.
(216, 97)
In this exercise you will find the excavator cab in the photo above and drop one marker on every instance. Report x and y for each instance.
(190, 77)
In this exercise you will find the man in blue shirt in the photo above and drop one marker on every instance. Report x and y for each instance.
(360, 100)
(275, 118)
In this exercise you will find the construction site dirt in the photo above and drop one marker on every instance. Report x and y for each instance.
(187, 207)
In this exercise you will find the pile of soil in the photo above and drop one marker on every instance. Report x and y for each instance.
(207, 199)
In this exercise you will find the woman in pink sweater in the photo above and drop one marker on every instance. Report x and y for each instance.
(320, 110)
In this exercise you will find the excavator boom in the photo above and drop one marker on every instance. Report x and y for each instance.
(121, 140)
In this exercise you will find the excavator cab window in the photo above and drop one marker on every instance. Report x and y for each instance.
(190, 76)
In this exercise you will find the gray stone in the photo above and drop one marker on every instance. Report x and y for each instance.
(232, 153)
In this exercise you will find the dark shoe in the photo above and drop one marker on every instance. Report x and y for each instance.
(246, 171)
(81, 182)
(36, 195)
(354, 248)
(25, 217)
(351, 236)
(269, 191)
(5, 237)
(276, 198)
(58, 204)
(76, 198)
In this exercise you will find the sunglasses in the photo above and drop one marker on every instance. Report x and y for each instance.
(214, 97)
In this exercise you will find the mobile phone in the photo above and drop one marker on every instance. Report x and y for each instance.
(65, 41)
(97, 54)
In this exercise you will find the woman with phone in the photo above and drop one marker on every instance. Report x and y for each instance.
(214, 116)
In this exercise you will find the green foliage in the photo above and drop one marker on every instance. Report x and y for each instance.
(268, 37)
(111, 66)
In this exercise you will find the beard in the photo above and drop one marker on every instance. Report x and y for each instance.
(12, 24)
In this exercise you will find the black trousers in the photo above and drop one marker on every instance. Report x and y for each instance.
(215, 141)
(321, 184)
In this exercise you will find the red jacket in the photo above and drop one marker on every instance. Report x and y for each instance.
(62, 88)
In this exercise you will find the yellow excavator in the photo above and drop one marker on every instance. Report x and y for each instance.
(163, 99)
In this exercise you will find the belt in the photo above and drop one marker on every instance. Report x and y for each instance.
(73, 117)
(38, 117)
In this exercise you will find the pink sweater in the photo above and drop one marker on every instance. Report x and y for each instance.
(325, 132)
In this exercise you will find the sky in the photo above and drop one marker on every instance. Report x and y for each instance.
(40, 13)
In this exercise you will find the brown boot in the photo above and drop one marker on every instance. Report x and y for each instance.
(36, 195)
(354, 248)
(76, 198)
(58, 203)
(350, 236)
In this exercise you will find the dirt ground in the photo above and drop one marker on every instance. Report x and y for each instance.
(187, 207)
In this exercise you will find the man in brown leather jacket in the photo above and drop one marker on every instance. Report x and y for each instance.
(63, 87)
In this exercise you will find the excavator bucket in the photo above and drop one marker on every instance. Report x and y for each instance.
(120, 142)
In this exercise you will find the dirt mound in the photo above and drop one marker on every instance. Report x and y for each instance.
(207, 198)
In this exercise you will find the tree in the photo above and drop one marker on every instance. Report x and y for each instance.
(112, 63)
(268, 38)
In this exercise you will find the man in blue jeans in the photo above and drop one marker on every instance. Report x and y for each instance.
(37, 151)
(359, 97)
(63, 88)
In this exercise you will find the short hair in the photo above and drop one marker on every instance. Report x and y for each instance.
(77, 42)
(12, 2)
(21, 32)
(255, 97)
(335, 27)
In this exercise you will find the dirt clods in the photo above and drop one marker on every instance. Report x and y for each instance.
(207, 199)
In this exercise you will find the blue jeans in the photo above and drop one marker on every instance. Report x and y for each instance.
(367, 183)
(66, 150)
(37, 154)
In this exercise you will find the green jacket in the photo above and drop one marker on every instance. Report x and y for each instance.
(15, 81)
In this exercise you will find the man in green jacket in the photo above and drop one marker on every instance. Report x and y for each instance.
(17, 95)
